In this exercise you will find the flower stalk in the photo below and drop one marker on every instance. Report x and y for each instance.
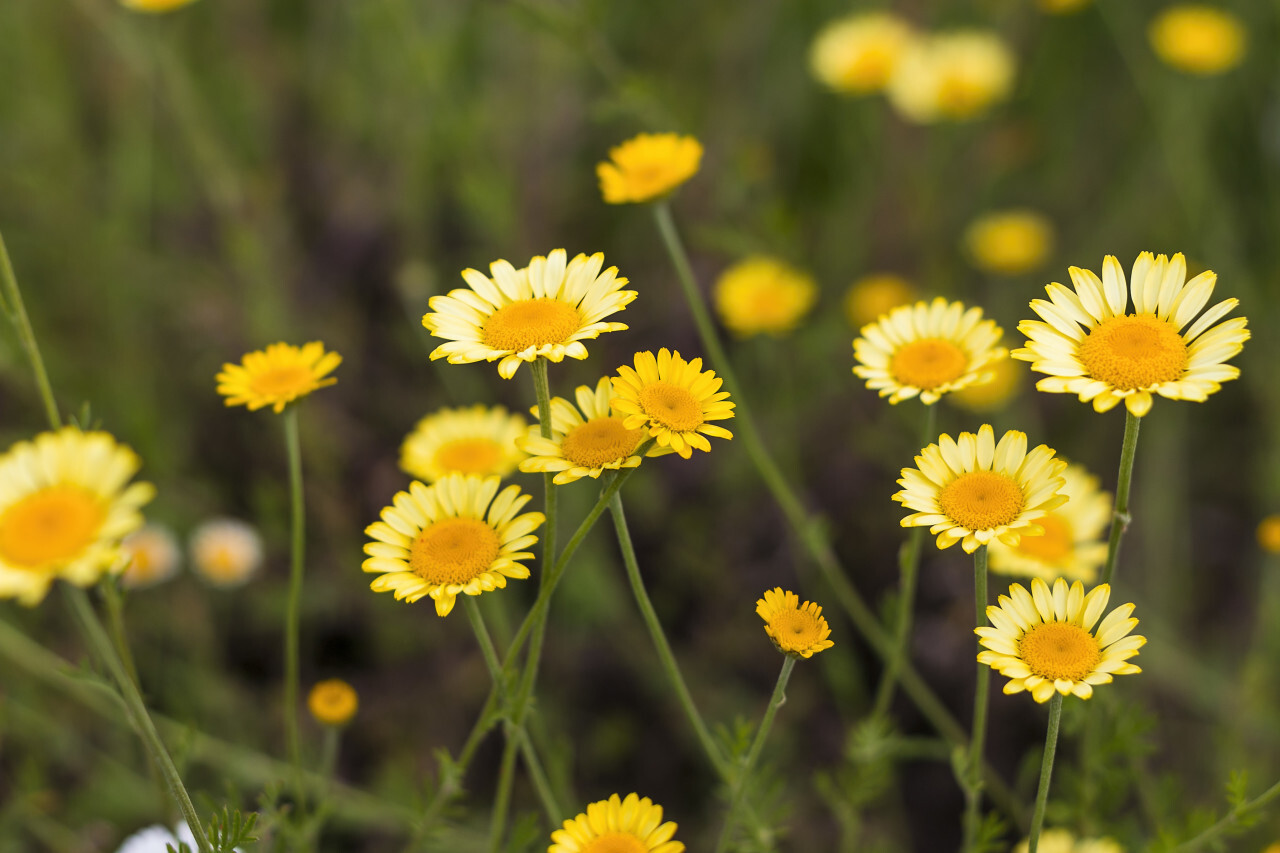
(1046, 770)
(1120, 517)
(297, 556)
(973, 767)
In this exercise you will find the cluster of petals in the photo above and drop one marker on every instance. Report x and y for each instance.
(674, 399)
(630, 824)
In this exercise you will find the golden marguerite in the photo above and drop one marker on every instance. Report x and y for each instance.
(674, 399)
(1063, 841)
(545, 310)
(65, 504)
(154, 6)
(474, 440)
(648, 166)
(153, 556)
(763, 295)
(926, 350)
(951, 76)
(277, 376)
(1268, 534)
(459, 536)
(333, 702)
(798, 630)
(617, 825)
(1008, 378)
(1073, 545)
(226, 552)
(974, 491)
(856, 54)
(1009, 242)
(1045, 640)
(1089, 345)
(875, 294)
(1198, 38)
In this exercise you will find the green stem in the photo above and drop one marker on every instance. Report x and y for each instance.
(1046, 770)
(1120, 517)
(973, 768)
(17, 311)
(739, 784)
(1210, 835)
(502, 799)
(297, 544)
(96, 636)
(115, 623)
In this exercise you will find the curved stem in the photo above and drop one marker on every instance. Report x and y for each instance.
(1120, 517)
(297, 545)
(502, 799)
(115, 623)
(17, 311)
(973, 768)
(1046, 770)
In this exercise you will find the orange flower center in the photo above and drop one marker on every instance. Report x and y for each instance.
(1059, 651)
(470, 456)
(283, 381)
(530, 323)
(599, 442)
(928, 363)
(982, 500)
(1054, 545)
(615, 842)
(49, 527)
(454, 550)
(1134, 351)
(795, 630)
(671, 406)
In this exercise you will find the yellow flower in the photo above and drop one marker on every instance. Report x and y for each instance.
(674, 399)
(1009, 242)
(226, 552)
(476, 440)
(648, 166)
(1269, 534)
(856, 54)
(583, 443)
(615, 825)
(1198, 39)
(1062, 841)
(1072, 545)
(762, 295)
(277, 376)
(796, 630)
(974, 491)
(951, 76)
(545, 310)
(1045, 640)
(927, 350)
(1130, 357)
(459, 536)
(993, 396)
(333, 702)
(155, 6)
(153, 556)
(65, 504)
(1061, 7)
(876, 294)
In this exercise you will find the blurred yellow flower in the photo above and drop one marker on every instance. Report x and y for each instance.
(797, 630)
(674, 399)
(1061, 7)
(1009, 242)
(856, 54)
(763, 295)
(616, 825)
(333, 702)
(876, 294)
(1269, 534)
(986, 397)
(648, 166)
(277, 375)
(951, 76)
(476, 440)
(153, 556)
(1062, 841)
(1198, 39)
(1072, 545)
(155, 6)
(226, 552)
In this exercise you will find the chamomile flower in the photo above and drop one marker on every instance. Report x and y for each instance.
(153, 554)
(475, 440)
(1073, 544)
(796, 630)
(648, 167)
(1198, 38)
(277, 376)
(856, 54)
(674, 399)
(763, 295)
(617, 825)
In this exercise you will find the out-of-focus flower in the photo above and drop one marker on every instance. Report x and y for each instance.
(762, 295)
(1009, 242)
(277, 376)
(1007, 377)
(951, 76)
(856, 54)
(153, 554)
(333, 702)
(1269, 534)
(226, 552)
(1072, 544)
(1198, 39)
(875, 294)
(155, 7)
(648, 166)
(1062, 841)
(1061, 7)
(476, 440)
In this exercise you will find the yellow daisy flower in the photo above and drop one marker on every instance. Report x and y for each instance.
(951, 76)
(1269, 534)
(476, 440)
(153, 556)
(796, 630)
(1007, 379)
(277, 376)
(458, 536)
(616, 825)
(1198, 39)
(1009, 242)
(674, 399)
(226, 552)
(1045, 640)
(585, 441)
(926, 350)
(333, 702)
(65, 504)
(1062, 841)
(648, 166)
(545, 310)
(974, 491)
(876, 294)
(856, 54)
(155, 6)
(1073, 545)
(1118, 356)
(762, 295)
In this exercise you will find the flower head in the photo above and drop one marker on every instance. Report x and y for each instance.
(153, 556)
(974, 491)
(875, 294)
(856, 54)
(155, 7)
(1009, 242)
(1062, 841)
(458, 536)
(951, 76)
(1045, 640)
(616, 825)
(1269, 534)
(585, 441)
(762, 295)
(797, 630)
(545, 310)
(226, 552)
(65, 504)
(674, 399)
(1072, 544)
(333, 702)
(476, 440)
(927, 350)
(1198, 39)
(648, 166)
(1006, 382)
(1119, 356)
(277, 376)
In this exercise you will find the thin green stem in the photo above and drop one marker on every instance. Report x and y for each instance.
(502, 798)
(17, 311)
(1046, 770)
(739, 784)
(297, 545)
(1120, 517)
(1211, 835)
(973, 767)
(115, 623)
